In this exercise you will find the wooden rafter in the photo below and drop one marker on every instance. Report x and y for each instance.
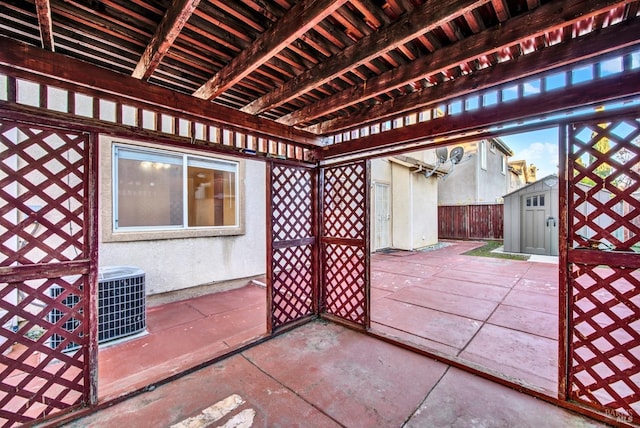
(21, 56)
(593, 93)
(422, 20)
(43, 8)
(546, 18)
(169, 28)
(593, 44)
(297, 21)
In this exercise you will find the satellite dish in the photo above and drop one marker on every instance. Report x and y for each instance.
(456, 155)
(441, 154)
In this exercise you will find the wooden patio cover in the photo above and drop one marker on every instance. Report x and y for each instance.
(302, 70)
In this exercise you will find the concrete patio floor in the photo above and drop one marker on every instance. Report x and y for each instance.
(498, 314)
(180, 335)
(324, 375)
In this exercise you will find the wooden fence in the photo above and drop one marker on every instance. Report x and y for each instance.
(471, 221)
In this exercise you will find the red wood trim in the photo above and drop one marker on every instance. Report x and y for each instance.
(427, 17)
(92, 242)
(618, 38)
(629, 260)
(169, 28)
(298, 20)
(53, 270)
(596, 92)
(269, 244)
(19, 59)
(548, 17)
(295, 242)
(564, 294)
(45, 23)
(367, 245)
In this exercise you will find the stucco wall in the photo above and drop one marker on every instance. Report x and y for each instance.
(414, 203)
(493, 184)
(425, 211)
(173, 264)
(470, 184)
(461, 186)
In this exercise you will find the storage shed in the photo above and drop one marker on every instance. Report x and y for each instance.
(531, 218)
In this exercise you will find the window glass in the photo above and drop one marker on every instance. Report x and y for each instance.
(149, 189)
(211, 194)
(156, 190)
(541, 199)
(535, 201)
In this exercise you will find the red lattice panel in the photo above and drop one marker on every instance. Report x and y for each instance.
(605, 183)
(605, 345)
(293, 291)
(604, 311)
(292, 204)
(344, 274)
(43, 284)
(292, 280)
(343, 205)
(345, 242)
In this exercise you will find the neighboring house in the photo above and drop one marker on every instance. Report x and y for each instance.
(480, 178)
(520, 174)
(404, 211)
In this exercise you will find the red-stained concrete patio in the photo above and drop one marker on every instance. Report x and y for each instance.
(501, 315)
(498, 314)
(324, 375)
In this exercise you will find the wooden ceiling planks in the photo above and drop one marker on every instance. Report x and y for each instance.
(303, 16)
(323, 65)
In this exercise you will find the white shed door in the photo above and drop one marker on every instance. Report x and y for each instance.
(537, 224)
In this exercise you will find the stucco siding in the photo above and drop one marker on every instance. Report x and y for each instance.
(180, 263)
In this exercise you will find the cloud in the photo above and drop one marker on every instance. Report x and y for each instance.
(541, 154)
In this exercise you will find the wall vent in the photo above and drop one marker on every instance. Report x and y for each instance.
(121, 305)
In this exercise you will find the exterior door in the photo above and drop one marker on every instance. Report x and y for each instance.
(537, 224)
(603, 267)
(382, 216)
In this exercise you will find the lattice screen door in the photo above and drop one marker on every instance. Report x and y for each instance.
(603, 266)
(292, 262)
(45, 252)
(345, 242)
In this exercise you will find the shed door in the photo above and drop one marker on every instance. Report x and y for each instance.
(537, 224)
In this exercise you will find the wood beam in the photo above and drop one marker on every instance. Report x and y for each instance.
(593, 44)
(579, 96)
(71, 71)
(423, 19)
(169, 28)
(297, 21)
(43, 9)
(548, 17)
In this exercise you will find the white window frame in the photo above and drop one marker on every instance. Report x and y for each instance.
(503, 167)
(108, 178)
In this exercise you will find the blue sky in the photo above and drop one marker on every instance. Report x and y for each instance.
(536, 147)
